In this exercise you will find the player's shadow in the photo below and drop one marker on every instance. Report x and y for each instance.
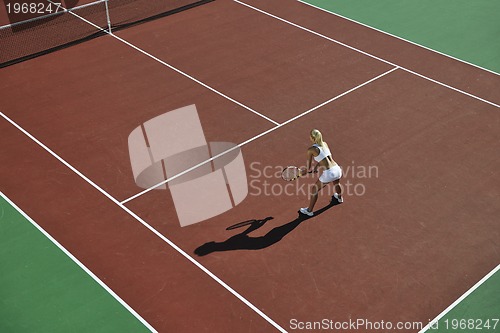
(243, 241)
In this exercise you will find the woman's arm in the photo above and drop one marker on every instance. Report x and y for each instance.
(309, 159)
(316, 168)
(310, 153)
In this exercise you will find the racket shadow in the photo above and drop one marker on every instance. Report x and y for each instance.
(243, 241)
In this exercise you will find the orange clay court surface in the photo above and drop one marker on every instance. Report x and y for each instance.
(424, 230)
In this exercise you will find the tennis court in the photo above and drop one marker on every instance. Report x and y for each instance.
(90, 243)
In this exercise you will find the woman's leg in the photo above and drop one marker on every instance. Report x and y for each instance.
(338, 188)
(314, 194)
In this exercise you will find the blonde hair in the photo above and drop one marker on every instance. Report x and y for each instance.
(317, 137)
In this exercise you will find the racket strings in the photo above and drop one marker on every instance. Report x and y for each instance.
(290, 173)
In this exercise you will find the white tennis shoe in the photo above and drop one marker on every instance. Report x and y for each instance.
(306, 211)
(336, 196)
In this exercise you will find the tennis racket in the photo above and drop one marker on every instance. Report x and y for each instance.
(292, 172)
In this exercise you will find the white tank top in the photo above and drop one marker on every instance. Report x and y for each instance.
(323, 152)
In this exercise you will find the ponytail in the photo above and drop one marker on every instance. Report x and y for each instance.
(317, 137)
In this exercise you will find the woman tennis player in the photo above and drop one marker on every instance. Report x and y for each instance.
(332, 174)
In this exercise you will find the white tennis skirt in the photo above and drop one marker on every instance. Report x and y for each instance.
(330, 175)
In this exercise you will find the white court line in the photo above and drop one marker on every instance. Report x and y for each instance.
(55, 13)
(365, 53)
(460, 299)
(135, 216)
(401, 38)
(192, 78)
(170, 66)
(256, 137)
(157, 233)
(79, 263)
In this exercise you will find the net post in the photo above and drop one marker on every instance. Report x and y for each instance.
(107, 16)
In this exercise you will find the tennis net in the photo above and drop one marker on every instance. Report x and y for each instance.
(30, 38)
